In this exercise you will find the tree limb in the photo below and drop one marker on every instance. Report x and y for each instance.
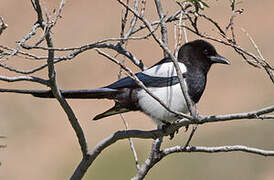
(154, 134)
(204, 149)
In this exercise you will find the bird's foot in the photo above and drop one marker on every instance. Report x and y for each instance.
(165, 126)
(171, 136)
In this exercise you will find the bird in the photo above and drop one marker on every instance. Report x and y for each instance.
(194, 59)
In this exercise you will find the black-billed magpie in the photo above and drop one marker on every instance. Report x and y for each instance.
(195, 59)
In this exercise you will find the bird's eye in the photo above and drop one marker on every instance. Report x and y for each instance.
(205, 52)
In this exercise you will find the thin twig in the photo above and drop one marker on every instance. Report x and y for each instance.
(171, 18)
(132, 23)
(162, 23)
(24, 78)
(264, 63)
(131, 144)
(194, 128)
(178, 37)
(28, 36)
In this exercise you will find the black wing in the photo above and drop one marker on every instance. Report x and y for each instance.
(148, 81)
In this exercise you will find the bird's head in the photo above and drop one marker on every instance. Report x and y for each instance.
(200, 52)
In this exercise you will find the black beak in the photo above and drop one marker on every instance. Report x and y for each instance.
(219, 59)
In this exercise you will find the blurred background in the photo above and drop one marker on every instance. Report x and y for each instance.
(42, 145)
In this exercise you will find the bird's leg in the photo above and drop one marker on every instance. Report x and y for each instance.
(186, 128)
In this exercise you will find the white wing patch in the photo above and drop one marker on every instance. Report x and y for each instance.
(165, 70)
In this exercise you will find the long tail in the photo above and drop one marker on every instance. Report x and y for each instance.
(71, 94)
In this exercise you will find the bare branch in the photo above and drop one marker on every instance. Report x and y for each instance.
(268, 70)
(213, 22)
(124, 21)
(162, 23)
(9, 52)
(27, 36)
(266, 117)
(178, 36)
(37, 8)
(154, 134)
(76, 51)
(53, 84)
(118, 48)
(24, 78)
(229, 42)
(191, 135)
(132, 23)
(150, 161)
(204, 149)
(97, 149)
(152, 158)
(248, 115)
(22, 71)
(172, 18)
(131, 144)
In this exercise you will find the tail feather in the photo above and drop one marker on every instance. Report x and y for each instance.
(116, 109)
(71, 94)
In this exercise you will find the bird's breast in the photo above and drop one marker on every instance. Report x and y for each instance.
(171, 96)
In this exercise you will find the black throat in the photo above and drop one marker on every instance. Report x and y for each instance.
(196, 82)
(196, 77)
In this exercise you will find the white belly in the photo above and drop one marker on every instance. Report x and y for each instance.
(172, 96)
